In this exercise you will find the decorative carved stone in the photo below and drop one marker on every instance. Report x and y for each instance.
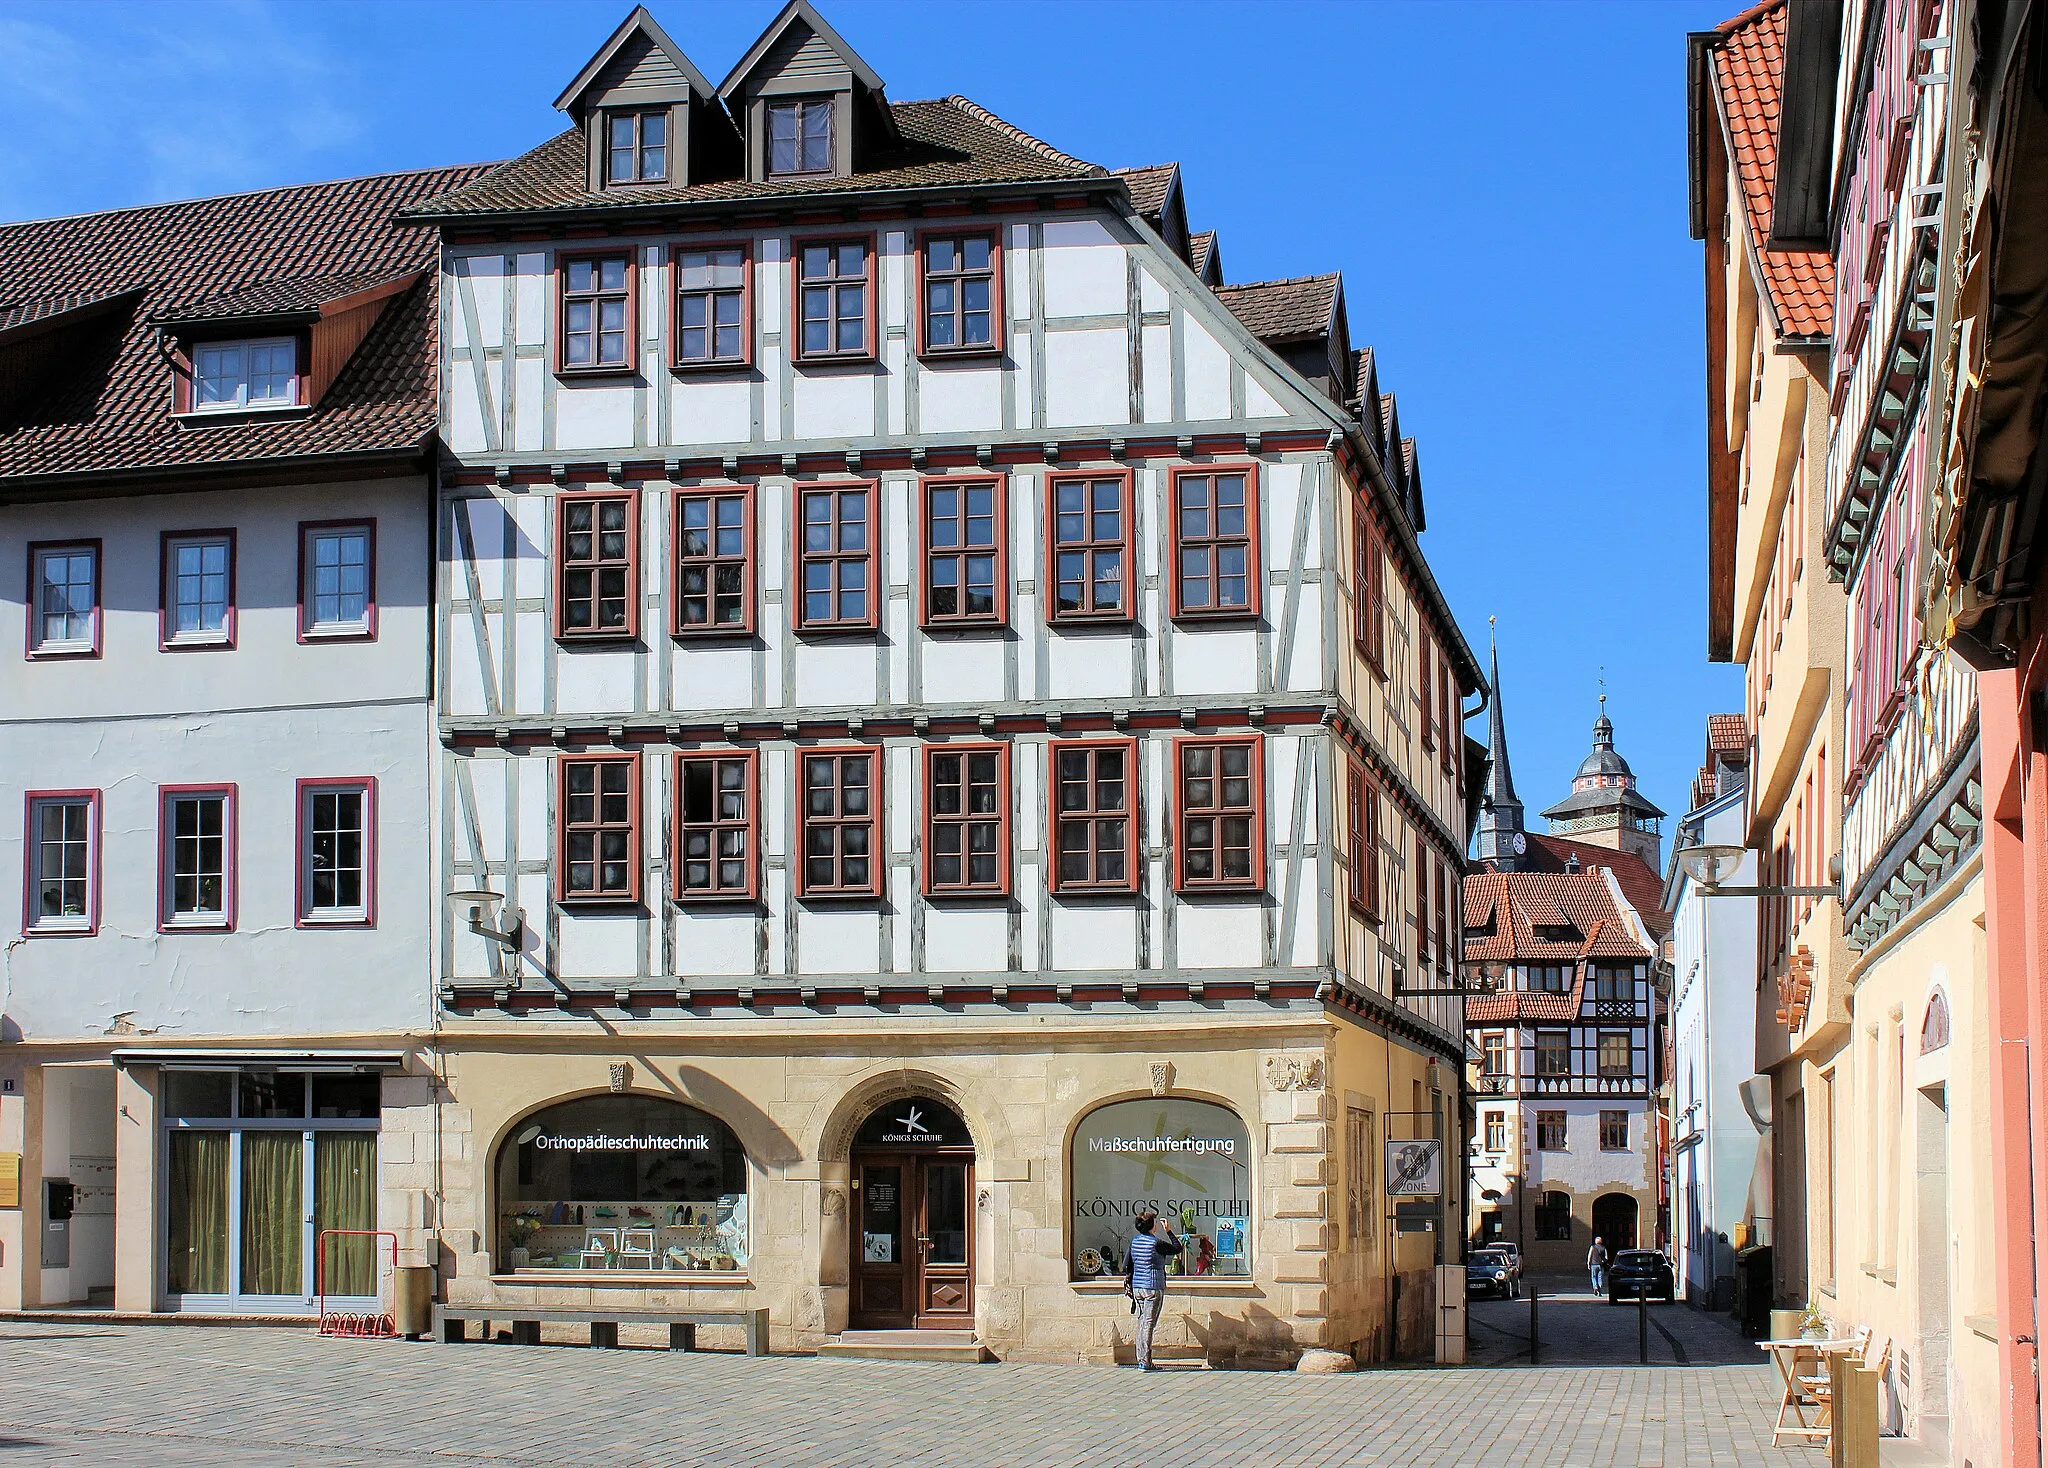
(622, 1075)
(1162, 1077)
(832, 1203)
(984, 1200)
(1294, 1072)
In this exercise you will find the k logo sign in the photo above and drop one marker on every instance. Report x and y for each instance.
(914, 1122)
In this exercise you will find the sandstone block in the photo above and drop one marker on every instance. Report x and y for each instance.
(1324, 1363)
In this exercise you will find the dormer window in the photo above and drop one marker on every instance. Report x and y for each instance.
(800, 136)
(229, 376)
(636, 148)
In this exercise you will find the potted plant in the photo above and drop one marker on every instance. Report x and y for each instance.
(519, 1231)
(1813, 1325)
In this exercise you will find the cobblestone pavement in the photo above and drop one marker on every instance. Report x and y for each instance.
(173, 1396)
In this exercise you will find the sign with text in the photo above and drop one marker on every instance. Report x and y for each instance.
(1187, 1161)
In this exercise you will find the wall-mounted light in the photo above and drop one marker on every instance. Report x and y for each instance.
(479, 907)
(1711, 866)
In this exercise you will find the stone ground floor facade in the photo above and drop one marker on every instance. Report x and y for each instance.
(1556, 1181)
(721, 1163)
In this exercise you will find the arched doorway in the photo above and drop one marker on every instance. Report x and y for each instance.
(1614, 1221)
(913, 1239)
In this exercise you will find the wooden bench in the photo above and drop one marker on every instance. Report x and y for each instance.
(451, 1323)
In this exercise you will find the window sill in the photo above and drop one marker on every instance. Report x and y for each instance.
(359, 920)
(836, 629)
(1082, 621)
(49, 930)
(589, 902)
(1985, 1326)
(207, 925)
(622, 636)
(965, 624)
(1175, 1285)
(976, 353)
(636, 1278)
(839, 896)
(834, 359)
(710, 369)
(62, 652)
(1198, 618)
(718, 899)
(199, 417)
(603, 369)
(1070, 894)
(337, 634)
(197, 644)
(710, 634)
(967, 894)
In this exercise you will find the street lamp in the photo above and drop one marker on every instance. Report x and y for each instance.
(481, 905)
(1485, 979)
(1712, 866)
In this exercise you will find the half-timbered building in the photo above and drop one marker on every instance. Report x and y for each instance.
(947, 734)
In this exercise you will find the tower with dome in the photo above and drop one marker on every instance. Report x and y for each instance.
(1605, 808)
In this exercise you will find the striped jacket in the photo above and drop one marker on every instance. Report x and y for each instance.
(1147, 1271)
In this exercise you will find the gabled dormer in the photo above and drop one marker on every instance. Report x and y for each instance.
(1391, 457)
(1365, 379)
(1411, 468)
(650, 119)
(807, 105)
(1156, 197)
(1205, 258)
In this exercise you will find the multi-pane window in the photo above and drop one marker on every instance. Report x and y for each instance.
(199, 590)
(63, 863)
(245, 374)
(1451, 745)
(1553, 1053)
(1549, 978)
(1493, 1054)
(337, 594)
(715, 826)
(597, 312)
(1215, 540)
(1370, 590)
(636, 147)
(335, 844)
(1220, 799)
(1094, 817)
(966, 820)
(1614, 985)
(711, 306)
(596, 566)
(960, 296)
(1496, 1131)
(964, 536)
(1614, 1131)
(1615, 1053)
(841, 823)
(836, 556)
(198, 858)
(1425, 684)
(714, 561)
(65, 617)
(1550, 1131)
(800, 136)
(599, 805)
(1554, 1218)
(1365, 843)
(832, 298)
(1422, 924)
(1091, 547)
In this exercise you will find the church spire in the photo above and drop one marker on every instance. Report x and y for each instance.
(1499, 840)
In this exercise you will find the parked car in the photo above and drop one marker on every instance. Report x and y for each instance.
(1492, 1272)
(1509, 1248)
(1641, 1274)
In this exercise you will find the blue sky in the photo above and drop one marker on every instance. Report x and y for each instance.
(1503, 186)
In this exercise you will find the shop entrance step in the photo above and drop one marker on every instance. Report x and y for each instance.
(907, 1345)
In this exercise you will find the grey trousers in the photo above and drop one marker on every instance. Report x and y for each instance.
(1147, 1306)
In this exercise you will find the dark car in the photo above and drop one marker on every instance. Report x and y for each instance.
(1641, 1274)
(1492, 1272)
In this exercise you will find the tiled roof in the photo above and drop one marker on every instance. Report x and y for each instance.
(1149, 186)
(1727, 731)
(1283, 310)
(280, 297)
(21, 314)
(1522, 902)
(1643, 888)
(951, 141)
(108, 407)
(1201, 250)
(1749, 67)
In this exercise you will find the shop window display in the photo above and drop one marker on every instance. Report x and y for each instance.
(1190, 1161)
(622, 1183)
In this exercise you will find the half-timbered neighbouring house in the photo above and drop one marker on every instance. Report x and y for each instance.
(216, 438)
(948, 737)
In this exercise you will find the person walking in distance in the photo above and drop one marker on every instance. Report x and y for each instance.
(1145, 1282)
(1596, 1264)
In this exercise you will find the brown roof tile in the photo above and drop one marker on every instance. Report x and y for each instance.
(1727, 731)
(1643, 888)
(1201, 251)
(1749, 68)
(1520, 903)
(1149, 186)
(280, 297)
(1283, 310)
(109, 409)
(951, 141)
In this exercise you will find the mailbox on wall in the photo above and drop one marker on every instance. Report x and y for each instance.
(57, 1199)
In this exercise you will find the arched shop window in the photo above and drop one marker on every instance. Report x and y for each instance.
(614, 1183)
(1190, 1161)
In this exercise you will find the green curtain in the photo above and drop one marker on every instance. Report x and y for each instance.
(345, 1196)
(273, 1214)
(199, 1214)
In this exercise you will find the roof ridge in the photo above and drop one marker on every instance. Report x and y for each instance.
(1038, 145)
(1252, 285)
(1748, 17)
(318, 183)
(1144, 168)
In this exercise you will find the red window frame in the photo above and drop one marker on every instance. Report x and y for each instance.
(1214, 543)
(1129, 812)
(564, 567)
(960, 552)
(1448, 704)
(310, 631)
(1370, 591)
(1365, 843)
(566, 828)
(31, 646)
(166, 920)
(797, 245)
(563, 366)
(1425, 683)
(1422, 926)
(712, 560)
(995, 344)
(1187, 813)
(935, 821)
(747, 825)
(31, 862)
(1125, 545)
(167, 639)
(837, 819)
(366, 785)
(677, 361)
(1443, 917)
(803, 556)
